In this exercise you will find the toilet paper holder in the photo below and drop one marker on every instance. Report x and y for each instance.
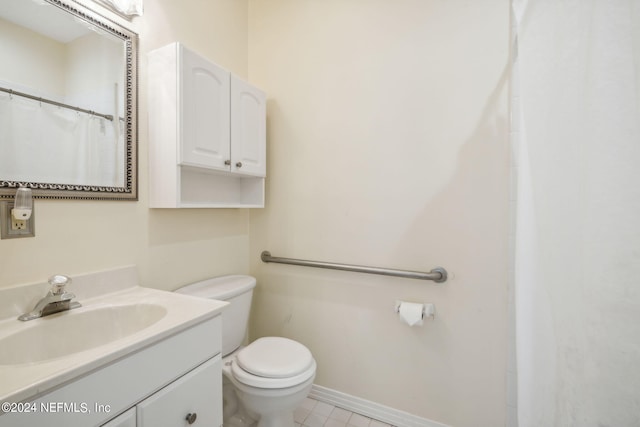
(428, 309)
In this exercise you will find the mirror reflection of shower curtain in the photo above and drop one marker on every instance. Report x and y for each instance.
(576, 115)
(46, 143)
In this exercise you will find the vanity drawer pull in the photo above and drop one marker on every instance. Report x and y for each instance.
(191, 418)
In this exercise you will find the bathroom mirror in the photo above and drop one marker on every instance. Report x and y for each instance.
(68, 101)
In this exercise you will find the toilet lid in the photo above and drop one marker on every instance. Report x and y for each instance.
(275, 357)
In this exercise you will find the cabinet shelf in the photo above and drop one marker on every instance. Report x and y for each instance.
(204, 188)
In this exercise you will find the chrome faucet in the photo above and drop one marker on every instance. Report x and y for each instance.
(56, 300)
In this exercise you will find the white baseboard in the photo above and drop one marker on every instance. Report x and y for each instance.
(370, 409)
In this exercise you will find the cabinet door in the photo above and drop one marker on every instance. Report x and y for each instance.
(127, 419)
(197, 395)
(204, 116)
(248, 128)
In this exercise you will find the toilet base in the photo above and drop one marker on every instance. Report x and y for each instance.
(270, 407)
(234, 414)
(273, 408)
(237, 415)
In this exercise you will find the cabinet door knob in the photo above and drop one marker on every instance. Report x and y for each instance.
(239, 164)
(191, 418)
(227, 162)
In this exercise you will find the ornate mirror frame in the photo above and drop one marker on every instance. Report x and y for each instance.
(130, 189)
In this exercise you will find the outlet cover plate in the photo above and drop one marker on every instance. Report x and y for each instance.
(6, 232)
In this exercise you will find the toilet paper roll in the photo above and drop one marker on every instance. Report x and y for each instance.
(411, 313)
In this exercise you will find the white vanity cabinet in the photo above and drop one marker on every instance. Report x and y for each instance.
(194, 398)
(207, 133)
(128, 419)
(190, 400)
(169, 383)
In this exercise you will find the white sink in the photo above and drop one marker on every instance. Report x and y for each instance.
(76, 330)
(117, 319)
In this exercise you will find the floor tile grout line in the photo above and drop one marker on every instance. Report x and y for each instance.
(323, 414)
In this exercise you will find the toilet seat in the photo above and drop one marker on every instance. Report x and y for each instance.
(273, 362)
(275, 357)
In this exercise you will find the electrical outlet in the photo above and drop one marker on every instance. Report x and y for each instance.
(18, 224)
(10, 227)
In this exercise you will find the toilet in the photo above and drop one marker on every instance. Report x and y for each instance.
(266, 380)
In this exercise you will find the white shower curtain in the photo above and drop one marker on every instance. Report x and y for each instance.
(576, 105)
(46, 143)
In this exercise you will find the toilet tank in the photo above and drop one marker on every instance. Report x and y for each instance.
(237, 290)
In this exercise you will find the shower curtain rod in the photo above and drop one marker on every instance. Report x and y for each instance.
(12, 92)
(438, 274)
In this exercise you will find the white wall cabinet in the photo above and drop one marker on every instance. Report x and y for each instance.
(204, 131)
(207, 133)
(248, 128)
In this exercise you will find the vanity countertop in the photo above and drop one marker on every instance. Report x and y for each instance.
(26, 381)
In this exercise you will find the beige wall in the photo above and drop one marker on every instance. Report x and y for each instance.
(388, 146)
(169, 247)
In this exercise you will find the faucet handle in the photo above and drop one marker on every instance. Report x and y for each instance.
(58, 282)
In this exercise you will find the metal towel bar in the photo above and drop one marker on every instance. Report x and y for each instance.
(438, 274)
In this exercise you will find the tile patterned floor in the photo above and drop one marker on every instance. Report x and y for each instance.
(313, 413)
